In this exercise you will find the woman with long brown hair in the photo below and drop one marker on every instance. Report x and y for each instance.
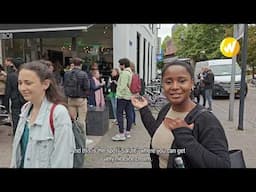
(34, 144)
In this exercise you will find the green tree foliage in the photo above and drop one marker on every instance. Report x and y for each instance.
(251, 49)
(200, 41)
(163, 45)
(160, 64)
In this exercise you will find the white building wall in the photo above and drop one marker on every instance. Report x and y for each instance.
(120, 43)
(125, 45)
(1, 53)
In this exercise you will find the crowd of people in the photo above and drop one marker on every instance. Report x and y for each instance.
(34, 87)
(29, 89)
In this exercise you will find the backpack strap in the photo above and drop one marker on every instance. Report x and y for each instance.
(51, 117)
(198, 113)
(191, 118)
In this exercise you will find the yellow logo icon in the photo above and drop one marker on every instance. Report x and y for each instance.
(229, 47)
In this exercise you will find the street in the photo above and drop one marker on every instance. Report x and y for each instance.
(222, 104)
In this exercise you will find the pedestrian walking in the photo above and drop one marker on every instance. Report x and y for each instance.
(124, 104)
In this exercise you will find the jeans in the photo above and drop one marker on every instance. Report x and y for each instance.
(124, 105)
(133, 115)
(208, 96)
(202, 92)
(113, 101)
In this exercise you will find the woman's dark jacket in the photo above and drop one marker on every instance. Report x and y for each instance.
(113, 85)
(205, 145)
(12, 92)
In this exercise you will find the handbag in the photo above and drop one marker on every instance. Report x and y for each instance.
(236, 158)
(235, 155)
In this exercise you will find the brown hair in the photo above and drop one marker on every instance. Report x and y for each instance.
(46, 62)
(9, 59)
(94, 66)
(76, 61)
(125, 62)
(53, 93)
(117, 70)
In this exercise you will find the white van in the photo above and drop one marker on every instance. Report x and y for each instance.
(222, 69)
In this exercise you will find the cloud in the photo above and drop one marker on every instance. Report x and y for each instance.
(165, 29)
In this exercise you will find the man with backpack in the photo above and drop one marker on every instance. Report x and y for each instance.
(76, 87)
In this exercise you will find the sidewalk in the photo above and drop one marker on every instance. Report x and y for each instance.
(133, 153)
(5, 146)
(99, 158)
(237, 139)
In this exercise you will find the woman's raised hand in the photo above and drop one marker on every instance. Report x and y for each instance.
(139, 101)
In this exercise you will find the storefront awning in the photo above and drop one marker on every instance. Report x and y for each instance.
(9, 31)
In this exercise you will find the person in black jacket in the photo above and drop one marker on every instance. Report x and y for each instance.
(201, 142)
(209, 84)
(12, 93)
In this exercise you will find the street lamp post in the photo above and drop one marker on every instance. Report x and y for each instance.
(243, 84)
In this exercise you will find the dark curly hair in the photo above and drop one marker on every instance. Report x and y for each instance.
(184, 64)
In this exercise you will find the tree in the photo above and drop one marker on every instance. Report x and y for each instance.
(160, 64)
(164, 44)
(200, 41)
(251, 50)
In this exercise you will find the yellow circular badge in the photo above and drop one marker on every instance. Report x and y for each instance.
(229, 47)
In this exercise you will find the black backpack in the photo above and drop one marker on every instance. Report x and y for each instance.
(72, 85)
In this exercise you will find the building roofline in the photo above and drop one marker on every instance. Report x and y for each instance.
(83, 27)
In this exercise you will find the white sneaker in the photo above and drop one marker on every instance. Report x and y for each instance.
(88, 141)
(119, 137)
(115, 122)
(127, 134)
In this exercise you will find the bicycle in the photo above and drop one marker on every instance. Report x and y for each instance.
(4, 116)
(156, 100)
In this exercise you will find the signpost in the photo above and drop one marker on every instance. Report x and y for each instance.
(238, 33)
(243, 75)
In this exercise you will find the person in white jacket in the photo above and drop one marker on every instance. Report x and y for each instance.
(34, 144)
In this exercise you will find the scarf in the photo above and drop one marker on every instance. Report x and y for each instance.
(99, 97)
